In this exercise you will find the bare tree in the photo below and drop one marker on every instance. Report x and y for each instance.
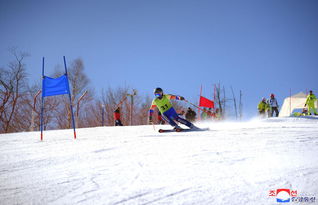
(142, 115)
(234, 100)
(78, 79)
(92, 114)
(113, 98)
(120, 97)
(12, 85)
(79, 83)
(219, 101)
(240, 106)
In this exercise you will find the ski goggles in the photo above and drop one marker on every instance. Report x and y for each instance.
(158, 95)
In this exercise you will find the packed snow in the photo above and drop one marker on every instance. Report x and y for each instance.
(232, 163)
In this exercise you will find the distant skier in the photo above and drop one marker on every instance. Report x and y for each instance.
(274, 105)
(117, 117)
(162, 102)
(310, 101)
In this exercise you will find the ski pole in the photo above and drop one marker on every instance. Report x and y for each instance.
(195, 106)
(153, 125)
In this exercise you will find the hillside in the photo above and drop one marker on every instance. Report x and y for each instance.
(233, 163)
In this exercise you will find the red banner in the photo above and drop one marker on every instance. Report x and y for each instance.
(205, 102)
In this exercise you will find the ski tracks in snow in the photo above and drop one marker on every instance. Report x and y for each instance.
(233, 163)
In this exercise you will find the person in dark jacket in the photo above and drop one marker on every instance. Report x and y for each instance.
(117, 117)
(190, 115)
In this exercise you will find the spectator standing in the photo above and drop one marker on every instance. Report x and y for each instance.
(190, 115)
(273, 105)
(262, 106)
(117, 117)
(310, 102)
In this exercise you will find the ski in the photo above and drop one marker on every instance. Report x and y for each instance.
(182, 130)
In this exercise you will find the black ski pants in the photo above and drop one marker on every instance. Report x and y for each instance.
(274, 109)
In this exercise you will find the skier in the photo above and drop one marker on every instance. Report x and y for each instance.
(117, 117)
(262, 107)
(162, 102)
(310, 101)
(274, 105)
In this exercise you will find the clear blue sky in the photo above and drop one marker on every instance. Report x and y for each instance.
(257, 46)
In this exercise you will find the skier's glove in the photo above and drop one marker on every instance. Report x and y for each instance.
(181, 98)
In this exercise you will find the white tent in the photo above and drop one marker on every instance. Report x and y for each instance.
(294, 102)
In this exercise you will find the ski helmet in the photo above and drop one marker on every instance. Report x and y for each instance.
(272, 95)
(158, 92)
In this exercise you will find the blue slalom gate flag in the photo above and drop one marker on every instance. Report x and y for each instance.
(55, 86)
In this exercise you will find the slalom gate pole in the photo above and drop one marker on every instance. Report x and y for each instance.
(41, 124)
(199, 103)
(69, 94)
(42, 104)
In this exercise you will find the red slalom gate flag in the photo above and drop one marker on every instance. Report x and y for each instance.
(205, 102)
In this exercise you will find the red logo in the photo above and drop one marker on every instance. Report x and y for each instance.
(293, 193)
(272, 193)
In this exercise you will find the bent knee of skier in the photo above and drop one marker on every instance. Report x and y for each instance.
(171, 121)
(185, 122)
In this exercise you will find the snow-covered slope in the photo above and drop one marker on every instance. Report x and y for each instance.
(233, 163)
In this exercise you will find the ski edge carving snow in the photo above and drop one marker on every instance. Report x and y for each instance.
(183, 130)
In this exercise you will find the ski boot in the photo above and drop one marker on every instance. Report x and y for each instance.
(177, 129)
